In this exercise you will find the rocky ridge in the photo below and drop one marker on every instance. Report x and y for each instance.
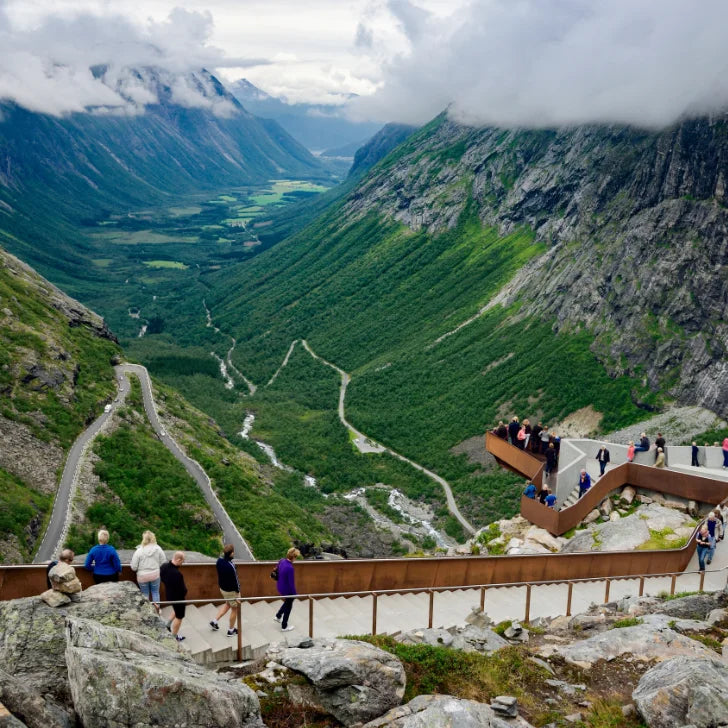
(647, 210)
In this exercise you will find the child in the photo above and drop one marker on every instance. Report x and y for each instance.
(630, 451)
(694, 462)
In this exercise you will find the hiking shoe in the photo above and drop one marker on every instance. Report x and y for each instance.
(179, 637)
(287, 629)
(276, 618)
(232, 632)
(214, 624)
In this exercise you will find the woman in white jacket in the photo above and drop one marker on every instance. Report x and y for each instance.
(146, 561)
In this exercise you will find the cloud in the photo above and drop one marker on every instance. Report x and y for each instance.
(556, 62)
(99, 62)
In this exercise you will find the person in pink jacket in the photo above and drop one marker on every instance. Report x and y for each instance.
(725, 453)
(630, 451)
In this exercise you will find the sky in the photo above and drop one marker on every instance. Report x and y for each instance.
(491, 62)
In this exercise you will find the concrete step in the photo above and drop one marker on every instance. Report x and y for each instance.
(194, 643)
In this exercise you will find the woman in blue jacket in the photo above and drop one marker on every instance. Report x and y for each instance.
(286, 585)
(103, 560)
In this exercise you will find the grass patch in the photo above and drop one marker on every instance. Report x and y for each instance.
(667, 597)
(659, 540)
(627, 622)
(173, 264)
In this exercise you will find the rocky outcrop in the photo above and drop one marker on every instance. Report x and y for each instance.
(467, 639)
(30, 622)
(121, 678)
(30, 706)
(644, 641)
(354, 681)
(684, 692)
(443, 711)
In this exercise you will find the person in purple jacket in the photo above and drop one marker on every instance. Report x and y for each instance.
(286, 584)
(103, 560)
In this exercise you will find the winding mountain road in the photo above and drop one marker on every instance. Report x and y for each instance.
(59, 523)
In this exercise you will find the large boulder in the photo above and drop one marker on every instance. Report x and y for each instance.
(29, 706)
(353, 681)
(119, 678)
(644, 641)
(684, 691)
(33, 640)
(443, 711)
(7, 720)
(469, 639)
(695, 606)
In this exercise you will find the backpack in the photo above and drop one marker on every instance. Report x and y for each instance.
(274, 574)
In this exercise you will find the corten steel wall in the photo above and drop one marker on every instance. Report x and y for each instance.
(512, 457)
(323, 577)
(692, 487)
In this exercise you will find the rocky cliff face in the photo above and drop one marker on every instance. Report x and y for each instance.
(636, 222)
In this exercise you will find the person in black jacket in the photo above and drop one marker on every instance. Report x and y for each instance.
(659, 443)
(551, 459)
(644, 445)
(602, 459)
(227, 580)
(694, 455)
(175, 590)
(513, 428)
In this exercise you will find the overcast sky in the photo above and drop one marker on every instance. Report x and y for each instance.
(506, 62)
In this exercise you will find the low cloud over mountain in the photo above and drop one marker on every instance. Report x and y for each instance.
(556, 62)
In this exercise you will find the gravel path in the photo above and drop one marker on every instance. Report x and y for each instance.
(679, 425)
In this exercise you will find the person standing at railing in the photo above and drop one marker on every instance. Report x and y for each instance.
(602, 459)
(630, 451)
(501, 431)
(694, 450)
(103, 560)
(227, 580)
(545, 439)
(536, 437)
(530, 490)
(145, 563)
(513, 429)
(660, 458)
(550, 501)
(711, 523)
(725, 453)
(703, 542)
(286, 584)
(550, 459)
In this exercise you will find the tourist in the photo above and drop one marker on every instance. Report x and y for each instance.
(501, 431)
(513, 429)
(725, 453)
(602, 459)
(543, 493)
(530, 491)
(545, 440)
(550, 459)
(58, 576)
(711, 523)
(551, 501)
(286, 584)
(694, 455)
(66, 557)
(584, 482)
(659, 443)
(527, 432)
(557, 444)
(175, 591)
(520, 437)
(630, 451)
(703, 542)
(536, 437)
(103, 560)
(227, 580)
(644, 445)
(660, 459)
(146, 562)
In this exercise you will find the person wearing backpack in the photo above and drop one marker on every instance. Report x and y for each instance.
(286, 584)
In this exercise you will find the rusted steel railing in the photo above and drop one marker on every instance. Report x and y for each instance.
(660, 480)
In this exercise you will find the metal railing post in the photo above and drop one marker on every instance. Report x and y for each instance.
(606, 590)
(568, 598)
(374, 614)
(482, 598)
(432, 608)
(642, 586)
(310, 617)
(702, 581)
(240, 630)
(527, 616)
(673, 579)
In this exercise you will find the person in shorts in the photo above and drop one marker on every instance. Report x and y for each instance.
(175, 590)
(227, 580)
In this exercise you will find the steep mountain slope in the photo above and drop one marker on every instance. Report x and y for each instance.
(57, 172)
(55, 375)
(379, 146)
(477, 273)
